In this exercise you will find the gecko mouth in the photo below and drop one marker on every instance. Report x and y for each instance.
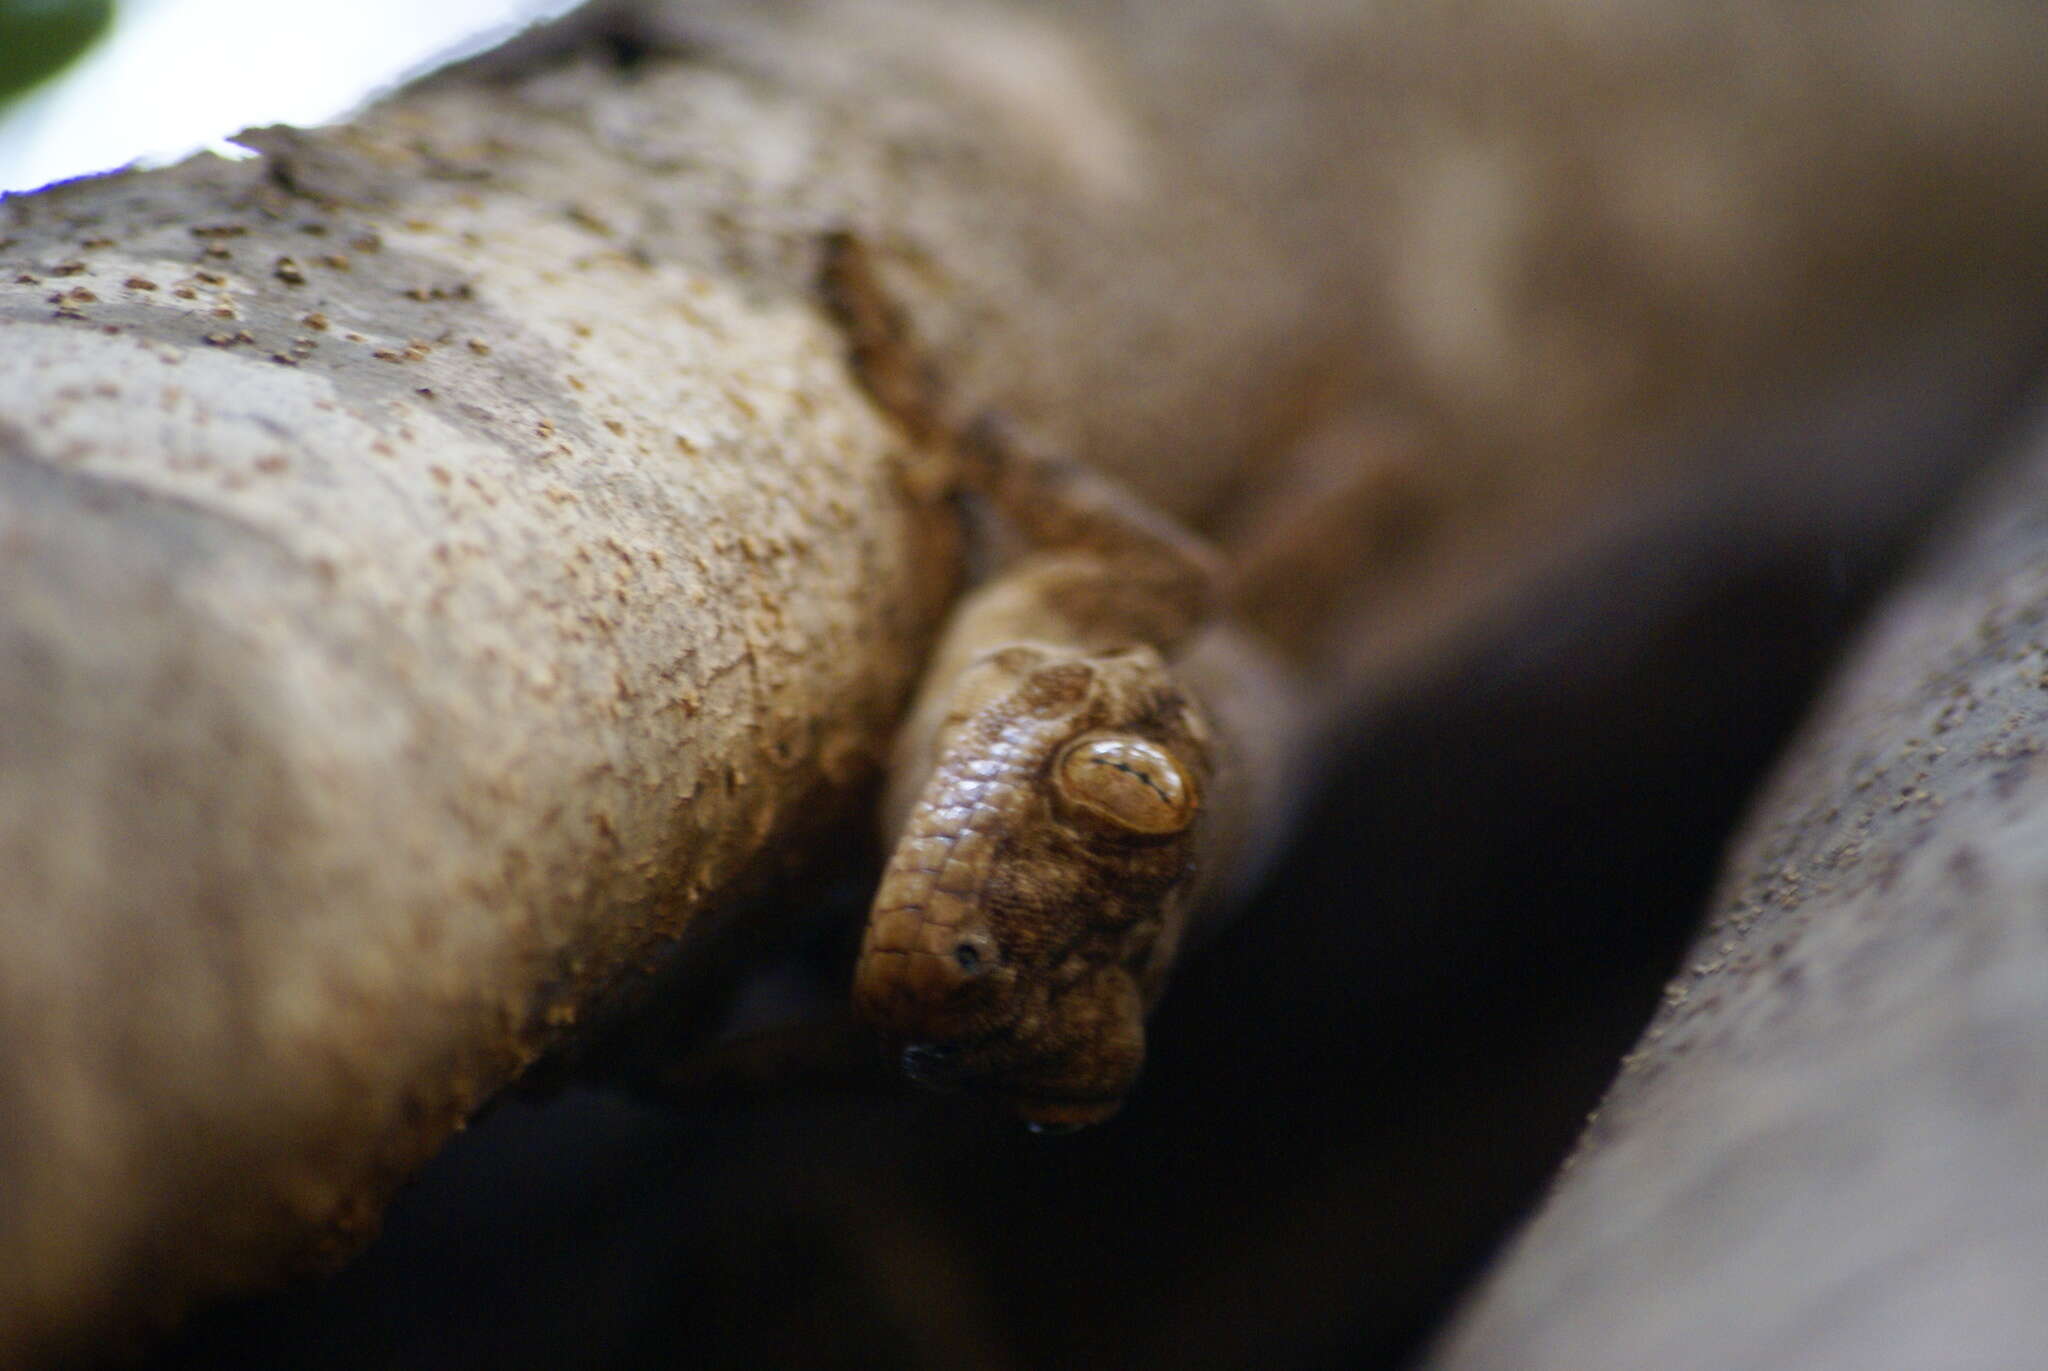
(946, 1067)
(986, 1065)
(950, 1065)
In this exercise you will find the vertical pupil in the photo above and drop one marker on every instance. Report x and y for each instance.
(1130, 781)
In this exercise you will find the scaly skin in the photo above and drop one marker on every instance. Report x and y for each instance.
(1086, 770)
(1042, 881)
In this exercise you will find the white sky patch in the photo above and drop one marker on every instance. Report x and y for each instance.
(174, 76)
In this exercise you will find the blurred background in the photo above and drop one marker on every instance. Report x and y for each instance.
(1351, 1097)
(90, 85)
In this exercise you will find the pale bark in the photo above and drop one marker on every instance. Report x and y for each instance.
(1828, 1149)
(445, 560)
(448, 559)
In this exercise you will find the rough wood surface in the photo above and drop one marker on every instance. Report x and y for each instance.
(1827, 1150)
(447, 559)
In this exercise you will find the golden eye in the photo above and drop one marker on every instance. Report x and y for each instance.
(1132, 784)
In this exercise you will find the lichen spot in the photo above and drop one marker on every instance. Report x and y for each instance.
(1129, 783)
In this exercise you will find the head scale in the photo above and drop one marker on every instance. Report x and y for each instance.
(1033, 903)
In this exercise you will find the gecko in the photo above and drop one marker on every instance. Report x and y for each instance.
(1103, 754)
(1096, 763)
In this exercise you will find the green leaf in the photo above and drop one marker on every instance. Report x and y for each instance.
(38, 37)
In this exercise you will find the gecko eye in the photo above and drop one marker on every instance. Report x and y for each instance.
(1127, 782)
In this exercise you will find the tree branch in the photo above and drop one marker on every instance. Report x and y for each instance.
(1824, 1152)
(447, 559)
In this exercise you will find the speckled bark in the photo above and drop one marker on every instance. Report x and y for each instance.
(443, 560)
(1828, 1150)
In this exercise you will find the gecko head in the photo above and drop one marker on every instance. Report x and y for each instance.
(1033, 903)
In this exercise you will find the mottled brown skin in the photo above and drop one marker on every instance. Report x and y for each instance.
(1092, 751)
(1042, 881)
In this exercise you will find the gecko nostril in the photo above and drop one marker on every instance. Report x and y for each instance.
(967, 957)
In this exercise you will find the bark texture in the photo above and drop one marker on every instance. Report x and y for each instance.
(1827, 1150)
(447, 559)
